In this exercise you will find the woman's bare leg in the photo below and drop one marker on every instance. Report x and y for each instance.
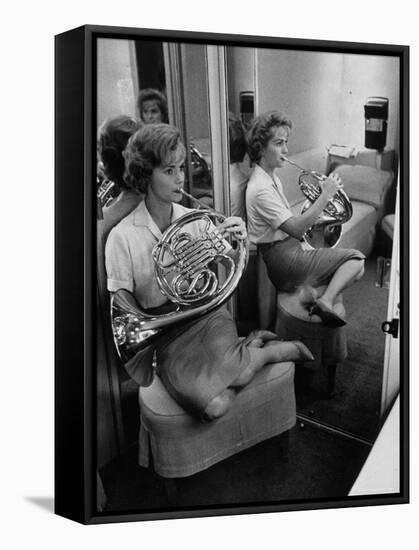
(273, 351)
(347, 274)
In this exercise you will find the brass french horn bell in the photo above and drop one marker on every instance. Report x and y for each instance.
(188, 274)
(326, 232)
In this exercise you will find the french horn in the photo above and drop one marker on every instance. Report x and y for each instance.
(187, 269)
(326, 232)
(107, 192)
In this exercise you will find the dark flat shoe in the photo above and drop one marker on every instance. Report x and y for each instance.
(327, 315)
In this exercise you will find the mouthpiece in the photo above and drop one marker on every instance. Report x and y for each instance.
(187, 194)
(319, 177)
(202, 205)
(294, 164)
(195, 200)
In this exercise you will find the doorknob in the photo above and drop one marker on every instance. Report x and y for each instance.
(391, 327)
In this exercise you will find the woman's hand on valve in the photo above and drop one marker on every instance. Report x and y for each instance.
(331, 185)
(234, 226)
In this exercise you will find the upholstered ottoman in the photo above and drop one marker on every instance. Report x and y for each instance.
(327, 344)
(180, 445)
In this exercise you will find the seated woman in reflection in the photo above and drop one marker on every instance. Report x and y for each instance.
(152, 106)
(201, 362)
(278, 232)
(238, 179)
(113, 138)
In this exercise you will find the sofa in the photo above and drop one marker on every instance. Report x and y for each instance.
(366, 186)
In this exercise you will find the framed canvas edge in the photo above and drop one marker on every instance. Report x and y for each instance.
(69, 474)
(243, 39)
(80, 457)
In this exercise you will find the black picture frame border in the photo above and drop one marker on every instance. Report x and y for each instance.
(75, 273)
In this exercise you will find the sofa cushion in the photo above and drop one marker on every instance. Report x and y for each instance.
(387, 225)
(364, 183)
(362, 214)
(359, 231)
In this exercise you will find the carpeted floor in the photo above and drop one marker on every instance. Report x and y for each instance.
(320, 465)
(355, 406)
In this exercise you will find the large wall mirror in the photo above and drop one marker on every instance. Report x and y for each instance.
(324, 95)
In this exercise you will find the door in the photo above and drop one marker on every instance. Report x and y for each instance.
(391, 375)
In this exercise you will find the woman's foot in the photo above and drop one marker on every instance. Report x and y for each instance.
(307, 296)
(327, 314)
(305, 353)
(258, 338)
(292, 350)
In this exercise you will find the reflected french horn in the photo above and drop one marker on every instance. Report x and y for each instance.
(326, 232)
(107, 191)
(186, 272)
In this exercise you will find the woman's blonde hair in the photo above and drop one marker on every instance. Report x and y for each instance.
(151, 146)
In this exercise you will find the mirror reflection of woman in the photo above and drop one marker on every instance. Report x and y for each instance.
(278, 232)
(238, 179)
(113, 138)
(202, 362)
(152, 106)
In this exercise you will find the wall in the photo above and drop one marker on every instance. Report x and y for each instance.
(115, 78)
(194, 67)
(324, 94)
(306, 87)
(241, 75)
(365, 76)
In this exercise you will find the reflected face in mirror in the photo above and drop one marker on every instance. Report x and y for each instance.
(151, 113)
(275, 149)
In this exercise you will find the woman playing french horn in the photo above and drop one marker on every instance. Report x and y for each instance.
(278, 232)
(202, 362)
